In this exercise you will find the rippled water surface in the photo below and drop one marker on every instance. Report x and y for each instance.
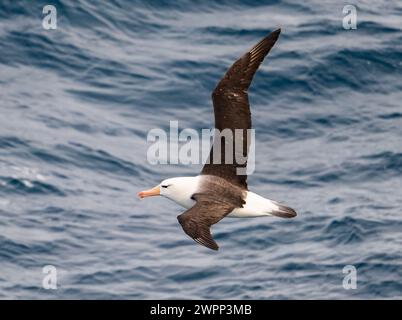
(76, 106)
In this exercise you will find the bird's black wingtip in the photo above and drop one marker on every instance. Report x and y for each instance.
(276, 33)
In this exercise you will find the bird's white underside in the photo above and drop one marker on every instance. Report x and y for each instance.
(181, 189)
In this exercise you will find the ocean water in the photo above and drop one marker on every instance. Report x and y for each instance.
(78, 102)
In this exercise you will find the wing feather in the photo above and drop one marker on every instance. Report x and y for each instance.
(232, 111)
(197, 221)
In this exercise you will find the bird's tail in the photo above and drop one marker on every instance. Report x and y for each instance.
(283, 211)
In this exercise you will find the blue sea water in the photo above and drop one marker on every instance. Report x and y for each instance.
(77, 103)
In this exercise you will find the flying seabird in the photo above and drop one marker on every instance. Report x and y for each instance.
(220, 190)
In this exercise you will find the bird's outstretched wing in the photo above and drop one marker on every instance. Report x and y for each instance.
(197, 221)
(232, 111)
(214, 200)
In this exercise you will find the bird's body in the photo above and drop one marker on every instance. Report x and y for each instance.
(255, 205)
(221, 188)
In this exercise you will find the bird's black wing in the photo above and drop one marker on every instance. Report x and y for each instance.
(214, 200)
(197, 221)
(232, 111)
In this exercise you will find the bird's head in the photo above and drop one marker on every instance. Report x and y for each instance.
(171, 188)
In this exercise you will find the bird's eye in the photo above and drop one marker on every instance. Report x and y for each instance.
(165, 186)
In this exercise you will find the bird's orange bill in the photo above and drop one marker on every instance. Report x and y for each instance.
(150, 193)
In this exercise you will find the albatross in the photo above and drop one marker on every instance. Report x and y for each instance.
(219, 190)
